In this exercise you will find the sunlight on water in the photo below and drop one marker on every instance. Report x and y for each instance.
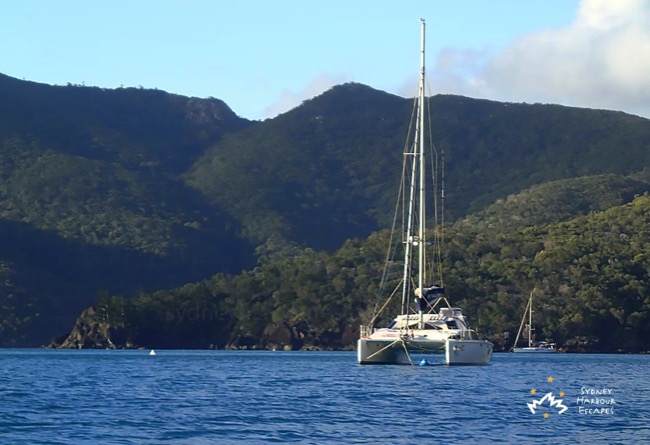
(206, 397)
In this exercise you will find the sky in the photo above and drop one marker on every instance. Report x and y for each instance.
(265, 57)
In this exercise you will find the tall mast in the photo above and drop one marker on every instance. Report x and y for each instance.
(416, 204)
(420, 151)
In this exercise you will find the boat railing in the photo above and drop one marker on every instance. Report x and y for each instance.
(365, 331)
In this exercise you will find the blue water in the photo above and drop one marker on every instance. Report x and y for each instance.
(246, 397)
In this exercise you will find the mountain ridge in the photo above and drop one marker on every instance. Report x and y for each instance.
(180, 189)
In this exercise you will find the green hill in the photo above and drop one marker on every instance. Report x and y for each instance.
(557, 201)
(590, 275)
(128, 191)
(91, 200)
(329, 169)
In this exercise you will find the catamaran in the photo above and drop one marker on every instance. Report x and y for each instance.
(427, 322)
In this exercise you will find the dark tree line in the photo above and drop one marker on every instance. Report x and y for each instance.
(590, 275)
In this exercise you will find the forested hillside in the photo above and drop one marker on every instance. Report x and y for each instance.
(590, 275)
(91, 202)
(121, 193)
(330, 168)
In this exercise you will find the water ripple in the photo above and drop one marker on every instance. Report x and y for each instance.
(207, 397)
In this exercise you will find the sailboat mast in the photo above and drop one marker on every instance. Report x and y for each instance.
(415, 203)
(530, 322)
(523, 319)
(420, 151)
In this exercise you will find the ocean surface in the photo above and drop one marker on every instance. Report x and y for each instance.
(259, 397)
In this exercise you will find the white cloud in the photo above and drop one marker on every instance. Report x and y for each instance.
(290, 99)
(602, 60)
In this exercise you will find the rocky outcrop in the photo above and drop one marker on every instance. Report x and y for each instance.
(585, 345)
(283, 336)
(89, 332)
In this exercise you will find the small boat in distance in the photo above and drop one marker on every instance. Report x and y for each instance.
(541, 346)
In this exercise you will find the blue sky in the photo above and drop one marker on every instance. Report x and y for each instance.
(265, 57)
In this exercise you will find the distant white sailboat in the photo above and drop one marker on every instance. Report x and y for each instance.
(533, 347)
(418, 328)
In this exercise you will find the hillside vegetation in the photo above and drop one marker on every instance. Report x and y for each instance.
(590, 275)
(91, 200)
(329, 169)
(121, 195)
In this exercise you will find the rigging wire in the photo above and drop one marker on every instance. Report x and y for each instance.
(437, 165)
(392, 246)
(438, 185)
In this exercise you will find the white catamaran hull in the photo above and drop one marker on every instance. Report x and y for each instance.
(468, 352)
(382, 352)
(396, 352)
